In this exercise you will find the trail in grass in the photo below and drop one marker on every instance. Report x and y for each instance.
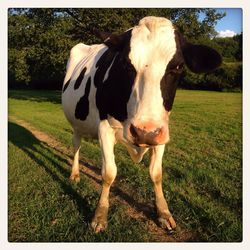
(142, 212)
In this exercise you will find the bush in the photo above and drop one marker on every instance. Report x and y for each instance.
(227, 77)
(18, 70)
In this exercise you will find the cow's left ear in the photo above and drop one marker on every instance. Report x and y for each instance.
(113, 41)
(201, 58)
(198, 58)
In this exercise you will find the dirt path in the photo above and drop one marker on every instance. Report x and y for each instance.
(136, 210)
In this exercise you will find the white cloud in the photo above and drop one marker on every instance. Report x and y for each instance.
(226, 33)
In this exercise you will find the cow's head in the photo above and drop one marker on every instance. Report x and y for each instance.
(151, 57)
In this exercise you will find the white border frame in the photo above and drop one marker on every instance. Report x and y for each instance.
(5, 4)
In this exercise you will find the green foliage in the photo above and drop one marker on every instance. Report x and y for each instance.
(227, 77)
(230, 47)
(118, 20)
(188, 23)
(40, 39)
(18, 69)
(38, 48)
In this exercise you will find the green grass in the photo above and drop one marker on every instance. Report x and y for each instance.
(202, 172)
(45, 206)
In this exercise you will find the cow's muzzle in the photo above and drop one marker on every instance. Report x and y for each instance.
(144, 135)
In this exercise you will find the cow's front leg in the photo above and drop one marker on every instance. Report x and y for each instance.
(165, 218)
(107, 142)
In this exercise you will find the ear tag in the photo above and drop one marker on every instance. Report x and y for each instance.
(106, 39)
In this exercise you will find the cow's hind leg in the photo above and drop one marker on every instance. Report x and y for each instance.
(107, 142)
(75, 174)
(165, 218)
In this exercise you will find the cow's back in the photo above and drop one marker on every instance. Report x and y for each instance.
(78, 94)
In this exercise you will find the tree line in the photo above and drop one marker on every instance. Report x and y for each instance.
(40, 39)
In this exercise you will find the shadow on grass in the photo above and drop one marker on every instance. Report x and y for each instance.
(28, 143)
(23, 139)
(52, 96)
(148, 210)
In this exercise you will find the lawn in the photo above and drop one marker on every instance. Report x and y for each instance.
(202, 175)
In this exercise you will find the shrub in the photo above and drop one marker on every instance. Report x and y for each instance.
(18, 70)
(227, 77)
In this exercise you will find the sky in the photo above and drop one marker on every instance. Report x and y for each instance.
(231, 24)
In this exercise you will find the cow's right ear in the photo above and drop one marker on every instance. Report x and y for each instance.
(113, 41)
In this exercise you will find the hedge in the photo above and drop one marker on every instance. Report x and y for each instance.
(226, 77)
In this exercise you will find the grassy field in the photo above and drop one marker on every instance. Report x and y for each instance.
(202, 172)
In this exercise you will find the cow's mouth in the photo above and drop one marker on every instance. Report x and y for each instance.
(145, 145)
(142, 145)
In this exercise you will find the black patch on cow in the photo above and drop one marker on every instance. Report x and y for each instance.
(82, 107)
(113, 94)
(79, 79)
(66, 85)
(171, 77)
(102, 66)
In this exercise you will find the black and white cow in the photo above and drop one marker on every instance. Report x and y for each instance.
(122, 91)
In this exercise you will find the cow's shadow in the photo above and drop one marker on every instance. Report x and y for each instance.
(40, 153)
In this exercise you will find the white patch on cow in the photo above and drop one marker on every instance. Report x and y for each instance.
(152, 48)
(82, 56)
(77, 53)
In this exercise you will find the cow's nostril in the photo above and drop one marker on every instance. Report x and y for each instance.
(157, 131)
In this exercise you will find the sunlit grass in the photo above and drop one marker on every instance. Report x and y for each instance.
(202, 172)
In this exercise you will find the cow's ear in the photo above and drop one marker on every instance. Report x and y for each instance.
(201, 58)
(113, 41)
(102, 34)
(198, 58)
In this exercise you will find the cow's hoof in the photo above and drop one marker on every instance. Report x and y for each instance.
(167, 223)
(100, 222)
(75, 178)
(99, 226)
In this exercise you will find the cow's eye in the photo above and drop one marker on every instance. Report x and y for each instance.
(179, 66)
(176, 69)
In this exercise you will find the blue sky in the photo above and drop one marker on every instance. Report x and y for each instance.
(231, 24)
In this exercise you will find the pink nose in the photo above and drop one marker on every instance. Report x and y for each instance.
(147, 134)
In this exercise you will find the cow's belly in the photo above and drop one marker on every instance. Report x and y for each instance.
(87, 127)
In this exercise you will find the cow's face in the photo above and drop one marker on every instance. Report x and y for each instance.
(153, 54)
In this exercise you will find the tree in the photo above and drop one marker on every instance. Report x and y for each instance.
(229, 47)
(38, 47)
(119, 20)
(238, 52)
(40, 38)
